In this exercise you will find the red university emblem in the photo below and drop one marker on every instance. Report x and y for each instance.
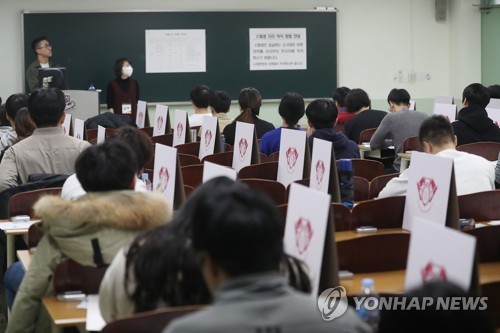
(243, 144)
(303, 235)
(180, 129)
(208, 138)
(427, 188)
(320, 172)
(433, 272)
(291, 158)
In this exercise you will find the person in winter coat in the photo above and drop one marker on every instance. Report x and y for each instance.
(322, 116)
(111, 214)
(473, 123)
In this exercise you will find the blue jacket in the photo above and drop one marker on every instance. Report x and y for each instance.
(343, 147)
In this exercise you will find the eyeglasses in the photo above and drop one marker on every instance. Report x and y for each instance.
(48, 46)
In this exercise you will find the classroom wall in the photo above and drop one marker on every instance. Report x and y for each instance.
(379, 42)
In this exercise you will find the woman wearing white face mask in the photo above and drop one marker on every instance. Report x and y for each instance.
(123, 91)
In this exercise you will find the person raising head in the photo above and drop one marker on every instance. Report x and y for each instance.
(122, 93)
(43, 51)
(291, 110)
(250, 102)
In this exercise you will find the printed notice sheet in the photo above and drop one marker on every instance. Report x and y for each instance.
(278, 49)
(175, 51)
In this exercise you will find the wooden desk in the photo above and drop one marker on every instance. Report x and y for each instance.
(365, 150)
(10, 239)
(394, 281)
(350, 234)
(24, 257)
(64, 314)
(405, 161)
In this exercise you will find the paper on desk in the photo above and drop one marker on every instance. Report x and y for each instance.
(497, 222)
(94, 317)
(17, 225)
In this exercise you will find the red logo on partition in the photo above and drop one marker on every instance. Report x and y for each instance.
(303, 235)
(433, 272)
(159, 122)
(180, 130)
(291, 158)
(64, 129)
(427, 188)
(243, 144)
(320, 172)
(208, 138)
(164, 177)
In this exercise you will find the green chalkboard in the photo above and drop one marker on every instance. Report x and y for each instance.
(88, 43)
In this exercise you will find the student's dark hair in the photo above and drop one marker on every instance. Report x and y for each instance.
(165, 269)
(35, 42)
(238, 227)
(15, 102)
(291, 108)
(476, 95)
(250, 102)
(46, 106)
(220, 101)
(3, 116)
(494, 91)
(432, 318)
(436, 130)
(322, 113)
(109, 166)
(117, 67)
(357, 99)
(200, 95)
(23, 124)
(339, 95)
(399, 96)
(139, 141)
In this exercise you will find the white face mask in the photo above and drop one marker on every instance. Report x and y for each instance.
(127, 71)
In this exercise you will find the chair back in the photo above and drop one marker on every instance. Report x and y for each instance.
(164, 139)
(188, 190)
(412, 143)
(488, 150)
(147, 130)
(22, 203)
(488, 244)
(185, 160)
(481, 206)
(282, 209)
(274, 156)
(379, 182)
(148, 322)
(192, 148)
(341, 216)
(91, 134)
(268, 170)
(263, 158)
(367, 169)
(71, 276)
(192, 175)
(381, 213)
(225, 158)
(361, 189)
(366, 135)
(35, 234)
(374, 253)
(272, 188)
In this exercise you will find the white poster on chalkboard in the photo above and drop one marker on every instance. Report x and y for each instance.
(175, 51)
(278, 49)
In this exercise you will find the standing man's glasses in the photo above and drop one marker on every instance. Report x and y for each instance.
(48, 46)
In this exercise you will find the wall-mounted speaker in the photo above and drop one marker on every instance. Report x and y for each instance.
(440, 11)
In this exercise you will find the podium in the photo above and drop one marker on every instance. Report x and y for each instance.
(81, 104)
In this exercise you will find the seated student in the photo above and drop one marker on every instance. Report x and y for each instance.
(110, 213)
(472, 173)
(322, 117)
(473, 123)
(399, 124)
(250, 102)
(358, 102)
(200, 100)
(12, 105)
(291, 110)
(161, 269)
(5, 125)
(136, 139)
(338, 97)
(23, 126)
(48, 150)
(429, 316)
(220, 105)
(238, 235)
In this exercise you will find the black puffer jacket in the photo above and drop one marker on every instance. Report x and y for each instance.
(473, 125)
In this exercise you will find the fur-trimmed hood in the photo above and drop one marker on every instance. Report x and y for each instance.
(128, 210)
